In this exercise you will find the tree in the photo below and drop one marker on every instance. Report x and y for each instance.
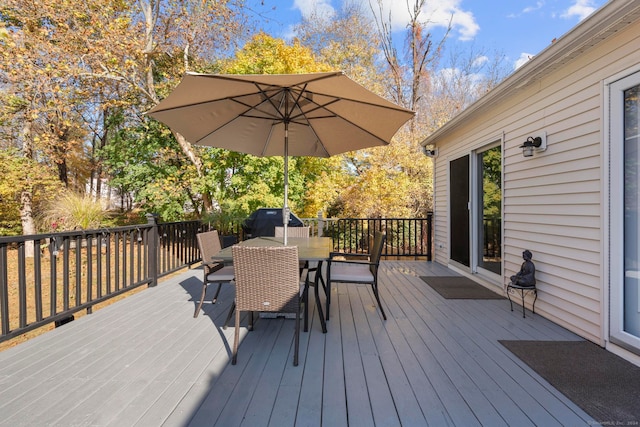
(464, 77)
(244, 182)
(343, 41)
(264, 54)
(22, 175)
(382, 181)
(193, 25)
(69, 65)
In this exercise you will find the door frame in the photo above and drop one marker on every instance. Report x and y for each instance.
(473, 211)
(477, 210)
(613, 215)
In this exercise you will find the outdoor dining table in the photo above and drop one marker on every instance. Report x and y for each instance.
(310, 249)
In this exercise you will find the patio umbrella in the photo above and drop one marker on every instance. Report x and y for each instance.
(318, 114)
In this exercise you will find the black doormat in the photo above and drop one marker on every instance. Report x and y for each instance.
(459, 287)
(604, 385)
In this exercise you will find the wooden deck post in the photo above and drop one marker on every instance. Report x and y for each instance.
(153, 248)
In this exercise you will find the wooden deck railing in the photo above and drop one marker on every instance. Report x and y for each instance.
(406, 237)
(75, 270)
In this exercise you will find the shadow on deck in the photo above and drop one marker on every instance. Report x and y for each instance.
(145, 361)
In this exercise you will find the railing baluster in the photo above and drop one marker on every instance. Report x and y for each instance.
(133, 257)
(78, 271)
(116, 256)
(108, 270)
(4, 291)
(37, 279)
(132, 244)
(53, 279)
(123, 277)
(99, 242)
(22, 286)
(139, 255)
(89, 291)
(65, 275)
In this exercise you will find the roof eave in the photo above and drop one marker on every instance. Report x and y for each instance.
(600, 25)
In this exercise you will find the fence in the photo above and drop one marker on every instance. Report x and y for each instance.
(76, 270)
(406, 237)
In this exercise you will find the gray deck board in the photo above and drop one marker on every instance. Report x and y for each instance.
(145, 361)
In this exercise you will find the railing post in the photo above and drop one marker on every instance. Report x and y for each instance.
(320, 224)
(152, 248)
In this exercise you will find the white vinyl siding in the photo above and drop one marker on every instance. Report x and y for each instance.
(553, 201)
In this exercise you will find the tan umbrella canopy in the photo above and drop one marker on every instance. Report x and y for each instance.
(318, 114)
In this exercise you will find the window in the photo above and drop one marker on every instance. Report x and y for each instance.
(624, 190)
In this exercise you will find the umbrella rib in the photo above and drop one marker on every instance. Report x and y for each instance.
(281, 99)
(357, 101)
(244, 114)
(225, 123)
(384, 141)
(283, 118)
(325, 106)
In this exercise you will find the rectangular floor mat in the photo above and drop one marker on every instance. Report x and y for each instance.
(604, 385)
(459, 287)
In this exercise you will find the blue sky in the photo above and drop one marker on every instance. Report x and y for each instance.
(518, 28)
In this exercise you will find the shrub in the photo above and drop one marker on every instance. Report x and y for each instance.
(74, 211)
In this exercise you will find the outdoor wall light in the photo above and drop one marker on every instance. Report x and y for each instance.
(537, 143)
(430, 152)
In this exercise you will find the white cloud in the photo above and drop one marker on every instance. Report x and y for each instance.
(530, 9)
(524, 58)
(448, 78)
(323, 7)
(437, 13)
(581, 9)
(480, 61)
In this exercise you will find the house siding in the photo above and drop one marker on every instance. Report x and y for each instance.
(553, 202)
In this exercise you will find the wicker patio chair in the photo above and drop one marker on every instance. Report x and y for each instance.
(309, 272)
(214, 270)
(267, 280)
(292, 231)
(302, 232)
(356, 268)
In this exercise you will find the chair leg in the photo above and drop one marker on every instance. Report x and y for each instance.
(231, 310)
(236, 338)
(305, 301)
(316, 293)
(324, 285)
(215, 297)
(297, 338)
(204, 293)
(374, 286)
(328, 300)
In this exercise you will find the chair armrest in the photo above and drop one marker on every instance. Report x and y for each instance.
(347, 255)
(211, 266)
(362, 259)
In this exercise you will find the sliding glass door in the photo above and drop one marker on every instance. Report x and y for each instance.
(459, 210)
(476, 210)
(489, 217)
(625, 211)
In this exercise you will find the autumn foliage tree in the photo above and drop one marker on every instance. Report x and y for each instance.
(76, 77)
(68, 66)
(244, 182)
(384, 181)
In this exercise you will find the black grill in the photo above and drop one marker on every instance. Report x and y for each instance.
(263, 222)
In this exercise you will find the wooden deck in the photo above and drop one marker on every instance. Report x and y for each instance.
(145, 361)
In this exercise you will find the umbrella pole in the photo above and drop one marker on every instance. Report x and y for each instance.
(285, 209)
